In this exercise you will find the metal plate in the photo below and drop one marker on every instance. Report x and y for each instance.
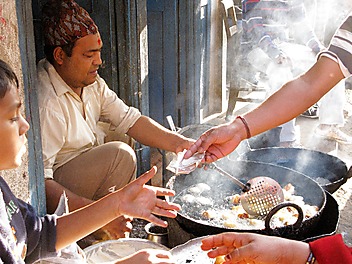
(108, 252)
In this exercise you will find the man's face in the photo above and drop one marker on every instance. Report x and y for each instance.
(13, 128)
(81, 68)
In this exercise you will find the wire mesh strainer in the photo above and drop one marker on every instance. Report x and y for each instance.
(259, 195)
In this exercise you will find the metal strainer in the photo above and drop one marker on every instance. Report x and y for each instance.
(259, 195)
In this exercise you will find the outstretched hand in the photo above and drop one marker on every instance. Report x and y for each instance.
(141, 200)
(216, 142)
(255, 249)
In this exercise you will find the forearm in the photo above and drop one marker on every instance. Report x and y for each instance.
(54, 190)
(150, 133)
(295, 97)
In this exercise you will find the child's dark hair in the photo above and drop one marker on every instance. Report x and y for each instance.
(8, 78)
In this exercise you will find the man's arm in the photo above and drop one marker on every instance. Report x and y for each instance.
(150, 133)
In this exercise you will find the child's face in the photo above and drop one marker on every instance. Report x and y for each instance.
(12, 130)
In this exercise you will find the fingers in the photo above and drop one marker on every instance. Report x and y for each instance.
(213, 241)
(163, 208)
(193, 149)
(164, 205)
(163, 191)
(237, 247)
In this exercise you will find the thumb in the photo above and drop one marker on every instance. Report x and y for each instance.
(145, 177)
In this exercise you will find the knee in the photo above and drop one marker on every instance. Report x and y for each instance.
(121, 152)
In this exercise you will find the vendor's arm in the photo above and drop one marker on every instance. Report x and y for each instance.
(125, 119)
(295, 96)
(135, 199)
(150, 133)
(292, 99)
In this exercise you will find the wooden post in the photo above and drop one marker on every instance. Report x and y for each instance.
(27, 51)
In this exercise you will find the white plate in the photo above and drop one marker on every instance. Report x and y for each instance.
(108, 252)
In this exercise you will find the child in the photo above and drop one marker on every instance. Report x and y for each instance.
(24, 236)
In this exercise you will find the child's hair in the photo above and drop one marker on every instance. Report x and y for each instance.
(8, 78)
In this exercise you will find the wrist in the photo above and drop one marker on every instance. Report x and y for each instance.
(247, 130)
(294, 251)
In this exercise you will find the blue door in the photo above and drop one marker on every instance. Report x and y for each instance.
(178, 49)
(162, 60)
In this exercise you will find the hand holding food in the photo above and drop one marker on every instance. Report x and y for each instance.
(255, 249)
(218, 141)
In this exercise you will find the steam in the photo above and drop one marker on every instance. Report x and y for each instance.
(322, 19)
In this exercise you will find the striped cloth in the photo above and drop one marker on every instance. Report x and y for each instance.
(340, 48)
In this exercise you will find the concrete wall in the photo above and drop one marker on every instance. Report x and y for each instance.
(9, 52)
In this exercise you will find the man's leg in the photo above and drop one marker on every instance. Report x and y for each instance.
(95, 173)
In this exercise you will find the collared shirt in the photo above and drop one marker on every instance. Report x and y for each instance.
(69, 122)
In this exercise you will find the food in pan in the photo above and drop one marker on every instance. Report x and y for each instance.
(229, 212)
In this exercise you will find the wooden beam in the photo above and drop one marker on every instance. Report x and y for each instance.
(27, 51)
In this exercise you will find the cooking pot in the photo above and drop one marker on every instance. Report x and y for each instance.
(190, 251)
(327, 170)
(192, 222)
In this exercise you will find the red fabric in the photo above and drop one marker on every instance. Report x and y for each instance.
(64, 21)
(331, 250)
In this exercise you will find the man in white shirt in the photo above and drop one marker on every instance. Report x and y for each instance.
(73, 98)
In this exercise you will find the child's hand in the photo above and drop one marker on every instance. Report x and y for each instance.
(141, 201)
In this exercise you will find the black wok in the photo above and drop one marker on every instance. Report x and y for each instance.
(190, 251)
(327, 170)
(244, 170)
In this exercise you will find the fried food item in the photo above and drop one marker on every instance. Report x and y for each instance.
(219, 260)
